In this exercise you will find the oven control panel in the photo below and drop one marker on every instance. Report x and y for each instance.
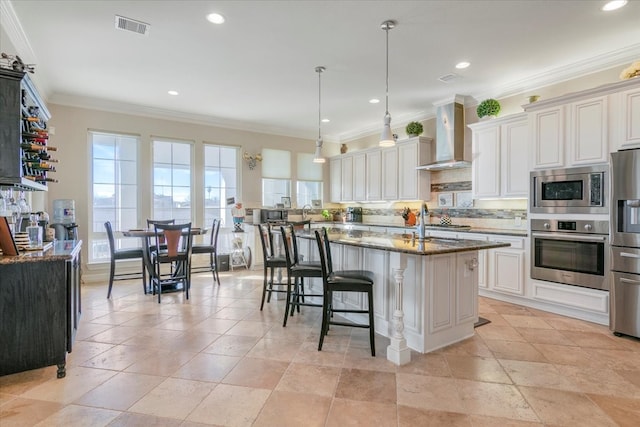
(577, 226)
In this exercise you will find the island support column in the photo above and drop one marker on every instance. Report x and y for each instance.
(398, 352)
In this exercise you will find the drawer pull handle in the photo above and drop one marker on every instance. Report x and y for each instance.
(622, 279)
(629, 255)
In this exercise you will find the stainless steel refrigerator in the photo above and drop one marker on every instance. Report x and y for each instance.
(625, 243)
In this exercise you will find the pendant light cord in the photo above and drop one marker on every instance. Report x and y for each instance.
(387, 93)
(319, 70)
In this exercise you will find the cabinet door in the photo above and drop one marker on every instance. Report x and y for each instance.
(374, 175)
(507, 266)
(514, 169)
(547, 137)
(486, 163)
(347, 178)
(588, 131)
(390, 173)
(407, 173)
(359, 177)
(335, 176)
(630, 114)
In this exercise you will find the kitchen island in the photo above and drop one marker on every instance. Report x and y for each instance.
(425, 291)
(39, 307)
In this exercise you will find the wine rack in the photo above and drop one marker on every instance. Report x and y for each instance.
(27, 158)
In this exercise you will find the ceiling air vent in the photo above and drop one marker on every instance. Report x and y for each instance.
(128, 24)
(448, 78)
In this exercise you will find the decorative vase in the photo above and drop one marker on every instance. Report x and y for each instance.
(343, 148)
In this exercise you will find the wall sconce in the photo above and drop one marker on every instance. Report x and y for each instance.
(252, 160)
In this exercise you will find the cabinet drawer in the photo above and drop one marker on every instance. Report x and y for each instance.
(626, 260)
(516, 242)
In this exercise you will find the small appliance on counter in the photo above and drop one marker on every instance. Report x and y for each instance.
(354, 214)
(64, 219)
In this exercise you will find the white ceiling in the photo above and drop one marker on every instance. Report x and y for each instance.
(256, 71)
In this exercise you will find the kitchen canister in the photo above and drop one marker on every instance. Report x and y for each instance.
(64, 211)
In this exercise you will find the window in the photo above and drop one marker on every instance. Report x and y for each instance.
(172, 180)
(276, 176)
(309, 185)
(114, 190)
(220, 182)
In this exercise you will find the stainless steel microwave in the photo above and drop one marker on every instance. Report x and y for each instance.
(273, 215)
(573, 190)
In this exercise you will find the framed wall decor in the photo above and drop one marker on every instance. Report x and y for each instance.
(445, 200)
(464, 199)
(286, 201)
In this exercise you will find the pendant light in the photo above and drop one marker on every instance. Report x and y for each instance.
(318, 156)
(386, 139)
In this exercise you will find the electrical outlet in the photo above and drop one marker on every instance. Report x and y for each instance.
(517, 221)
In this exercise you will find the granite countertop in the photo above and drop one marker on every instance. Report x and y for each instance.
(401, 242)
(479, 230)
(61, 250)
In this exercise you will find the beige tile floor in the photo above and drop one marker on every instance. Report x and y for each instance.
(218, 360)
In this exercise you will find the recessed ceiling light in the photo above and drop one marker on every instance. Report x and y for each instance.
(173, 92)
(374, 101)
(325, 120)
(463, 64)
(613, 5)
(215, 18)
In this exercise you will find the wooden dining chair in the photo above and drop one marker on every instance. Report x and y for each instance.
(297, 270)
(271, 263)
(120, 254)
(176, 252)
(212, 250)
(343, 281)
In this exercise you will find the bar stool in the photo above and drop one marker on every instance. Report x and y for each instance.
(297, 270)
(271, 263)
(343, 281)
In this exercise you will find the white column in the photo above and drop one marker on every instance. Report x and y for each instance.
(397, 351)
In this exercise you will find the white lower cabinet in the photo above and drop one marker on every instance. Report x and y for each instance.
(506, 266)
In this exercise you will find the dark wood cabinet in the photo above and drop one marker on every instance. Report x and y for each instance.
(25, 158)
(40, 308)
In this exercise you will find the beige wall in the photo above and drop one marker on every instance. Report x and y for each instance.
(71, 125)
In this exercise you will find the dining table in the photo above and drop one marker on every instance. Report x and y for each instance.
(146, 234)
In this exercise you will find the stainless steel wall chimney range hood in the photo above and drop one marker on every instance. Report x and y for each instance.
(450, 129)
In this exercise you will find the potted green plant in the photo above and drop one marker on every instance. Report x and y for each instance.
(488, 108)
(414, 129)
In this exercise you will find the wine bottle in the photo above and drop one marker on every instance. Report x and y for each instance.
(40, 178)
(33, 147)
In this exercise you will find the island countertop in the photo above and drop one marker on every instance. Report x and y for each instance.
(61, 250)
(403, 243)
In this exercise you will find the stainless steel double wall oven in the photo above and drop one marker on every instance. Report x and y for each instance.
(571, 250)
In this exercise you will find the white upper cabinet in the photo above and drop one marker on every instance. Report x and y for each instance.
(548, 137)
(390, 173)
(335, 179)
(374, 175)
(347, 178)
(500, 165)
(582, 128)
(588, 134)
(414, 184)
(359, 177)
(629, 126)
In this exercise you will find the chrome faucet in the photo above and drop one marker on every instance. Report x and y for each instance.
(305, 211)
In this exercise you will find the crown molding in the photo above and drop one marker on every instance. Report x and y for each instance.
(567, 72)
(18, 38)
(164, 114)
